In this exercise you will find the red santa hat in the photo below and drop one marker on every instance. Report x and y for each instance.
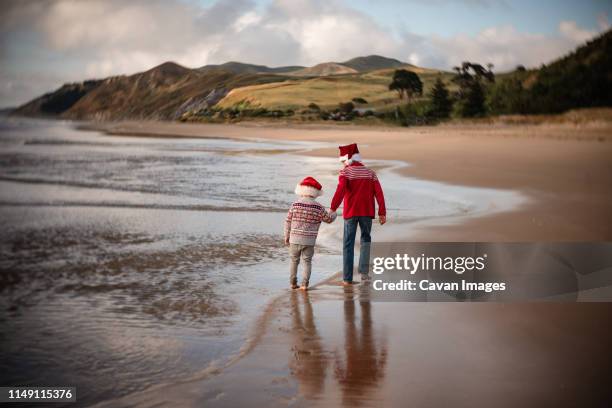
(349, 153)
(309, 187)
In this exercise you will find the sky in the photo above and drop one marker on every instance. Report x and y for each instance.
(46, 43)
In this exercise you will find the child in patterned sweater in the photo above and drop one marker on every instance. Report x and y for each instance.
(301, 228)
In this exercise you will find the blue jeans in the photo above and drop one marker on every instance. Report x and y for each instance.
(348, 252)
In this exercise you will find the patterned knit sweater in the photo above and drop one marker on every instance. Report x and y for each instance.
(303, 221)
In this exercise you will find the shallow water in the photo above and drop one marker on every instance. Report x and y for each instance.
(126, 261)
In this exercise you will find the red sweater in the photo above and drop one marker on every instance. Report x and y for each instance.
(358, 186)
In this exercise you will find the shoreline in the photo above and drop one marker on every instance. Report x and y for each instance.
(564, 170)
(331, 346)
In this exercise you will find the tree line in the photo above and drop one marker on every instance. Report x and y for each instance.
(580, 79)
(469, 99)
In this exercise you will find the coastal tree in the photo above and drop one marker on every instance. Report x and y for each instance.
(406, 83)
(346, 107)
(440, 101)
(471, 79)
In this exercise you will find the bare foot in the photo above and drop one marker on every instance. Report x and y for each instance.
(303, 287)
(294, 286)
(347, 283)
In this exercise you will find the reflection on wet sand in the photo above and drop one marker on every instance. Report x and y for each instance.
(389, 353)
(358, 363)
(360, 366)
(333, 347)
(308, 363)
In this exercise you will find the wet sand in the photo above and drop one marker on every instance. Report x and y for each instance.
(333, 347)
(565, 169)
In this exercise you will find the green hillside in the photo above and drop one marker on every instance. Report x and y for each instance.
(578, 80)
(372, 62)
(326, 92)
(242, 68)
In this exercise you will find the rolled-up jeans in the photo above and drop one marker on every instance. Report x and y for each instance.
(348, 252)
(305, 252)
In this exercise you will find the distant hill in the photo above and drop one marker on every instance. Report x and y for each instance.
(242, 68)
(153, 94)
(325, 69)
(372, 62)
(359, 64)
(170, 91)
(163, 92)
(58, 101)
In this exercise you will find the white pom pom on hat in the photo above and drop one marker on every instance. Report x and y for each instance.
(309, 187)
(349, 153)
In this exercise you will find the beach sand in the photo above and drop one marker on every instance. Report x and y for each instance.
(333, 347)
(564, 169)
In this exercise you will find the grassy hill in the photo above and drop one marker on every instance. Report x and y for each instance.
(326, 92)
(324, 69)
(372, 62)
(242, 68)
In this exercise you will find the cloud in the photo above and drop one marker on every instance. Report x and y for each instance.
(328, 30)
(75, 40)
(246, 46)
(503, 46)
(470, 3)
(602, 22)
(570, 30)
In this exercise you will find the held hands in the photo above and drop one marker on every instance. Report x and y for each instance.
(382, 219)
(287, 241)
(332, 215)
